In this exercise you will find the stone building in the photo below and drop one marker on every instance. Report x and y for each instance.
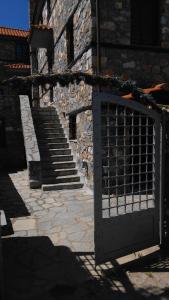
(14, 61)
(126, 38)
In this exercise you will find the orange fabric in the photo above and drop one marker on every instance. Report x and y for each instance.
(158, 87)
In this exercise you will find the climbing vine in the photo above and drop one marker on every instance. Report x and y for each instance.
(117, 84)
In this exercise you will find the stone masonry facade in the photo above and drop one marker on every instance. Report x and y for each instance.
(76, 97)
(14, 61)
(146, 64)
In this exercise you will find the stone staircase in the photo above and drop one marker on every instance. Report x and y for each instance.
(58, 168)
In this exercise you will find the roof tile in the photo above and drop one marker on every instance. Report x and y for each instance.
(5, 31)
(17, 66)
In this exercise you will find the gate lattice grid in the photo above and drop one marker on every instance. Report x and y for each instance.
(128, 166)
(128, 161)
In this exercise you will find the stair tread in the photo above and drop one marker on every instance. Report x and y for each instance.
(61, 155)
(59, 162)
(59, 171)
(56, 144)
(62, 177)
(62, 185)
(51, 138)
(60, 149)
(68, 183)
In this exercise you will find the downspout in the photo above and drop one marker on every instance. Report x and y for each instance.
(98, 36)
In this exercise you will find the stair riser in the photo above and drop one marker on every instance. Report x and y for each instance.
(57, 159)
(59, 173)
(50, 135)
(47, 123)
(56, 152)
(44, 146)
(54, 140)
(48, 153)
(60, 187)
(51, 130)
(55, 129)
(57, 181)
(58, 166)
(44, 112)
(43, 109)
(46, 118)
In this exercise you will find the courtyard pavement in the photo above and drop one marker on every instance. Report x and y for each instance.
(66, 217)
(49, 250)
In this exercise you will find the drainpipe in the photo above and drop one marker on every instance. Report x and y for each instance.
(98, 39)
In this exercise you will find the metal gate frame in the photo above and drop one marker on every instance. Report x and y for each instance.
(98, 99)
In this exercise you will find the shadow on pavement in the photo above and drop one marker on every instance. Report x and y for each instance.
(11, 202)
(35, 269)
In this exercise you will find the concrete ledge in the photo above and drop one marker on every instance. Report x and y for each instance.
(31, 145)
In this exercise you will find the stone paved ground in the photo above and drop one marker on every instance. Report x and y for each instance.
(66, 218)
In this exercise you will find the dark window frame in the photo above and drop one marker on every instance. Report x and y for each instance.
(146, 33)
(70, 40)
(48, 10)
(22, 52)
(41, 19)
(72, 127)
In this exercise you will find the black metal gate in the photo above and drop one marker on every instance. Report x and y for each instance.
(127, 170)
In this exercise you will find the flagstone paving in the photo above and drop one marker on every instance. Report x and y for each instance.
(66, 217)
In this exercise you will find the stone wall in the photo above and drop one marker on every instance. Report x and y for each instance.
(139, 65)
(115, 21)
(164, 23)
(7, 50)
(12, 153)
(31, 145)
(75, 97)
(118, 56)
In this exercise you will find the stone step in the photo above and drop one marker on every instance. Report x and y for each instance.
(53, 140)
(56, 152)
(61, 172)
(46, 117)
(61, 179)
(58, 165)
(51, 130)
(45, 112)
(42, 134)
(57, 158)
(54, 146)
(49, 124)
(64, 186)
(44, 109)
(54, 125)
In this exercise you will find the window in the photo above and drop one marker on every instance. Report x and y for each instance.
(2, 133)
(72, 127)
(145, 22)
(22, 53)
(41, 19)
(70, 41)
(48, 9)
(1, 92)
